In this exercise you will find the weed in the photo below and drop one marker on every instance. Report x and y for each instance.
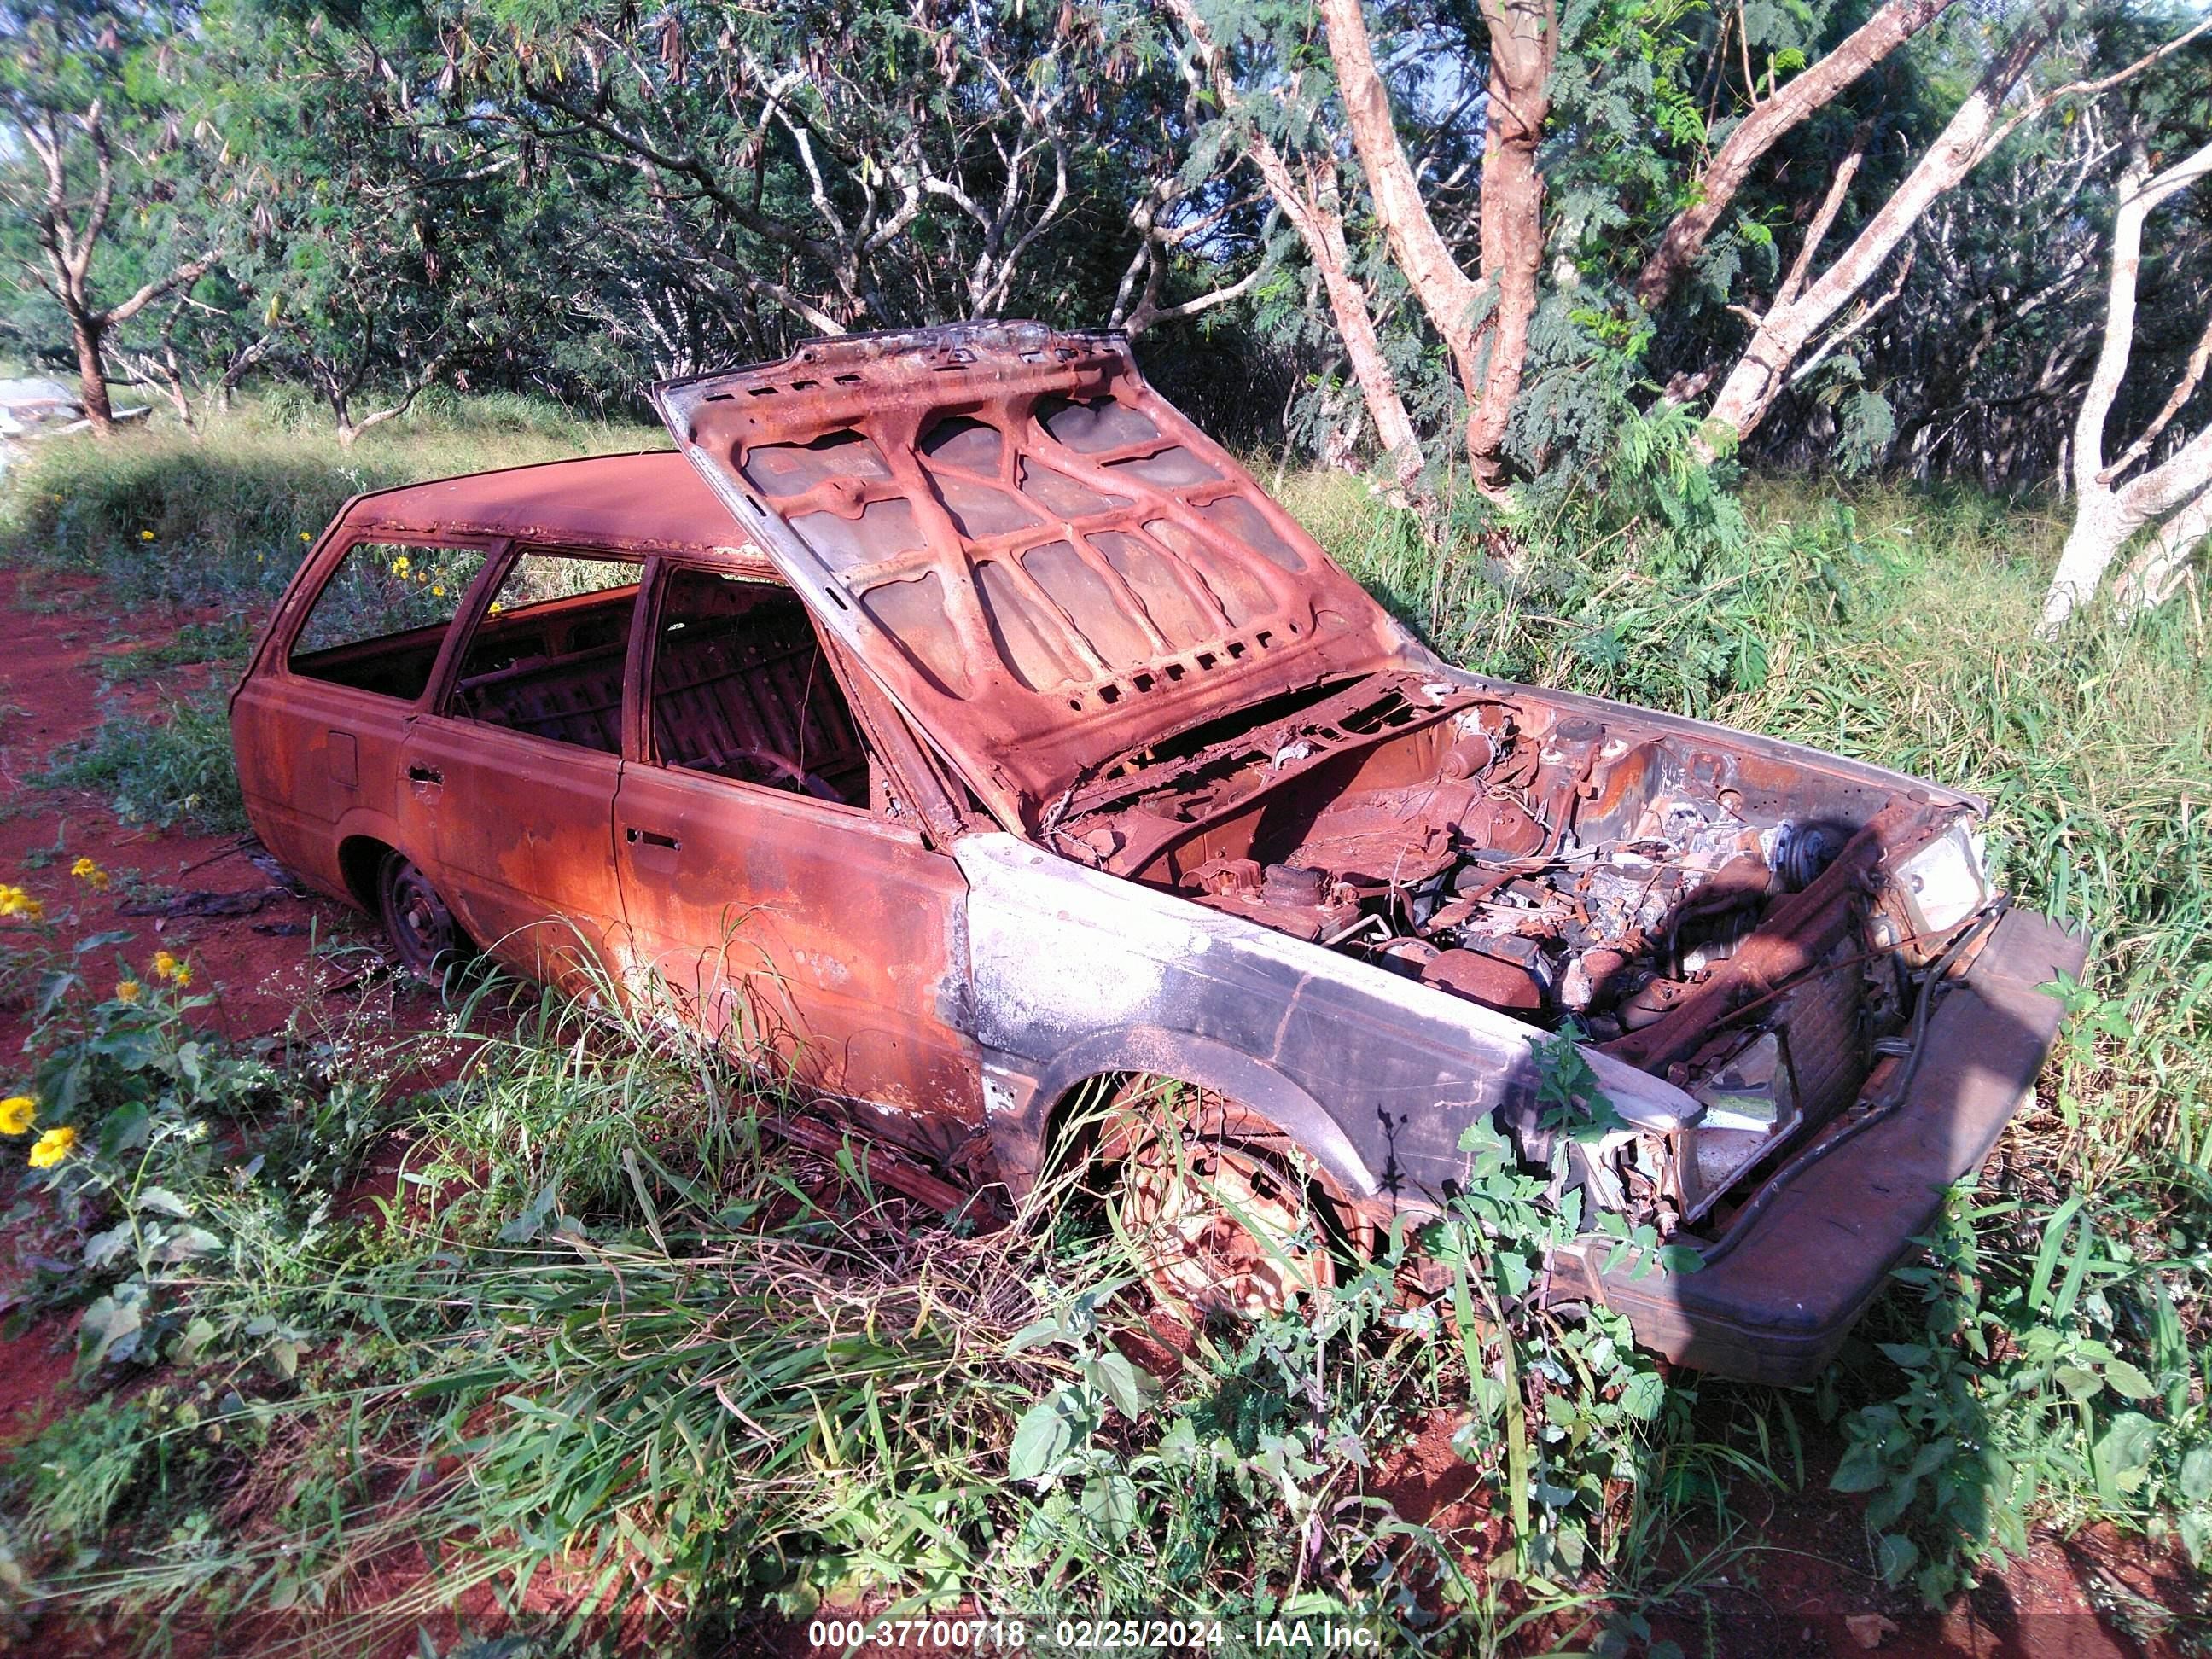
(225, 642)
(161, 772)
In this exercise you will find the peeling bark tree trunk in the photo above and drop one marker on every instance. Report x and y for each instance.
(1890, 27)
(85, 331)
(1316, 214)
(1790, 325)
(2149, 582)
(2105, 512)
(1524, 44)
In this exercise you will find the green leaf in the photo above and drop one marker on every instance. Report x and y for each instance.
(1896, 1555)
(102, 1248)
(2122, 1457)
(2082, 1384)
(2128, 1382)
(2197, 1474)
(1120, 1382)
(1041, 1440)
(1646, 1393)
(1110, 1502)
(110, 1327)
(182, 1244)
(1036, 1335)
(162, 1201)
(1860, 1470)
(2046, 1259)
(194, 1341)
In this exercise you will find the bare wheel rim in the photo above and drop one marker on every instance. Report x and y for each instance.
(1216, 1228)
(421, 929)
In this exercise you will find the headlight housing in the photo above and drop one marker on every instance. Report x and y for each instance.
(1942, 883)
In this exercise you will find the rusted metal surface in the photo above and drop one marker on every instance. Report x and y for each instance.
(1784, 1286)
(649, 502)
(965, 728)
(1046, 564)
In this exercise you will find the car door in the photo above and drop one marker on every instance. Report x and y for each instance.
(783, 912)
(320, 722)
(510, 776)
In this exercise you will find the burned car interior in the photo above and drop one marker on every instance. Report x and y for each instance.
(1155, 788)
(741, 689)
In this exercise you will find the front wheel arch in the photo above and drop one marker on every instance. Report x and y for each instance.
(1026, 1131)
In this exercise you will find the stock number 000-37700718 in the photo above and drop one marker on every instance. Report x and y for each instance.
(1004, 1635)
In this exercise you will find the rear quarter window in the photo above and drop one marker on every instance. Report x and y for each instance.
(380, 619)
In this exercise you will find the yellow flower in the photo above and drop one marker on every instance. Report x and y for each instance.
(128, 990)
(400, 567)
(145, 535)
(51, 1147)
(14, 902)
(86, 870)
(439, 592)
(184, 975)
(165, 965)
(494, 607)
(17, 1113)
(305, 537)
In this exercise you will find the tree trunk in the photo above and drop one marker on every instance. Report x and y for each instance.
(92, 375)
(1316, 213)
(1524, 44)
(2106, 513)
(1789, 326)
(1890, 27)
(2149, 580)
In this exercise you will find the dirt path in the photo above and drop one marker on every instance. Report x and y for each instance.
(270, 959)
(267, 958)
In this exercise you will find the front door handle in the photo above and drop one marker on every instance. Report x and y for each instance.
(637, 838)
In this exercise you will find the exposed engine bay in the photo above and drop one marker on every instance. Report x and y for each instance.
(1748, 929)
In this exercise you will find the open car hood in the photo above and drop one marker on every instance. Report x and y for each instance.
(1036, 556)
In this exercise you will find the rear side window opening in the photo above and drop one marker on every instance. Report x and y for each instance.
(547, 657)
(741, 689)
(382, 615)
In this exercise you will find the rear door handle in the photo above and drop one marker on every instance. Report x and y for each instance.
(636, 837)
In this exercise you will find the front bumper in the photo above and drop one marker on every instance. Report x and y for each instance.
(1775, 1304)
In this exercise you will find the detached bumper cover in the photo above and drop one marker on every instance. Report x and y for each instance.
(1776, 1304)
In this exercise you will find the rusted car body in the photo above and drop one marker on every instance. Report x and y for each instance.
(952, 719)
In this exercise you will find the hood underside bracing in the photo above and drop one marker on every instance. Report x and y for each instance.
(1040, 560)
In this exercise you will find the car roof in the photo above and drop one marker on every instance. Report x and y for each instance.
(651, 501)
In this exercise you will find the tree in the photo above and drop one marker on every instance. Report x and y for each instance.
(1767, 122)
(1980, 124)
(89, 92)
(1468, 314)
(1310, 198)
(2175, 495)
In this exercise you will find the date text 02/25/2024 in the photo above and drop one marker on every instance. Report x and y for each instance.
(1089, 1635)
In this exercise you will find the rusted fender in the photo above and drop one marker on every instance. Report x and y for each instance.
(1076, 974)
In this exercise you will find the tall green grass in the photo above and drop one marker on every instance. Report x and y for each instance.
(221, 515)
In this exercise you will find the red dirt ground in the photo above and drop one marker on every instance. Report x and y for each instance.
(1803, 1586)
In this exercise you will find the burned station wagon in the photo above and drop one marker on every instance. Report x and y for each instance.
(952, 719)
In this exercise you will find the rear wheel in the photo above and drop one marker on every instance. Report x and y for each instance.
(1217, 1213)
(421, 929)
